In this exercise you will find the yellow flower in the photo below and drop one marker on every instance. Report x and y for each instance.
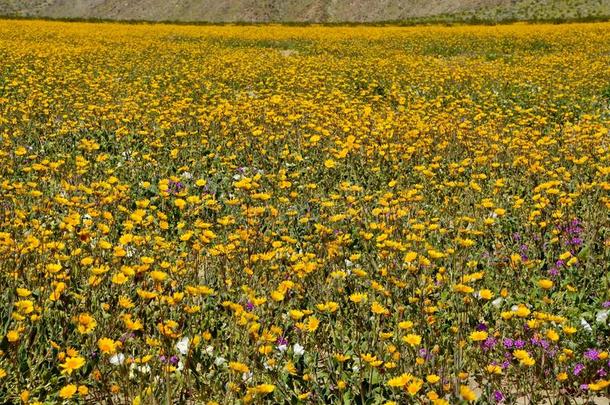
(357, 297)
(486, 294)
(520, 354)
(410, 257)
(329, 163)
(238, 367)
(341, 357)
(265, 350)
(493, 369)
(552, 335)
(522, 311)
(379, 309)
(478, 336)
(433, 378)
(545, 284)
(12, 336)
(400, 381)
(412, 339)
(158, 275)
(312, 324)
(290, 368)
(106, 345)
(67, 391)
(467, 393)
(71, 364)
(405, 325)
(86, 323)
(263, 388)
(527, 361)
(277, 296)
(295, 314)
(414, 386)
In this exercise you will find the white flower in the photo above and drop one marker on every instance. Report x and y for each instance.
(117, 359)
(183, 345)
(180, 366)
(145, 369)
(187, 175)
(349, 263)
(209, 350)
(247, 376)
(219, 361)
(236, 177)
(602, 316)
(298, 349)
(496, 303)
(130, 251)
(282, 348)
(585, 325)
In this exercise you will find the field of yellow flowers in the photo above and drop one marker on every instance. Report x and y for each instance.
(316, 215)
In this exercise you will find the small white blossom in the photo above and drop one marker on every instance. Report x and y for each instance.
(183, 345)
(145, 369)
(298, 349)
(117, 359)
(602, 316)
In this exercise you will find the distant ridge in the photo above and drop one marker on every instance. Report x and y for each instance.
(306, 10)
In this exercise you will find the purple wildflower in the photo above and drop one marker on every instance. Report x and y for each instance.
(498, 396)
(591, 354)
(578, 368)
(481, 326)
(489, 343)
